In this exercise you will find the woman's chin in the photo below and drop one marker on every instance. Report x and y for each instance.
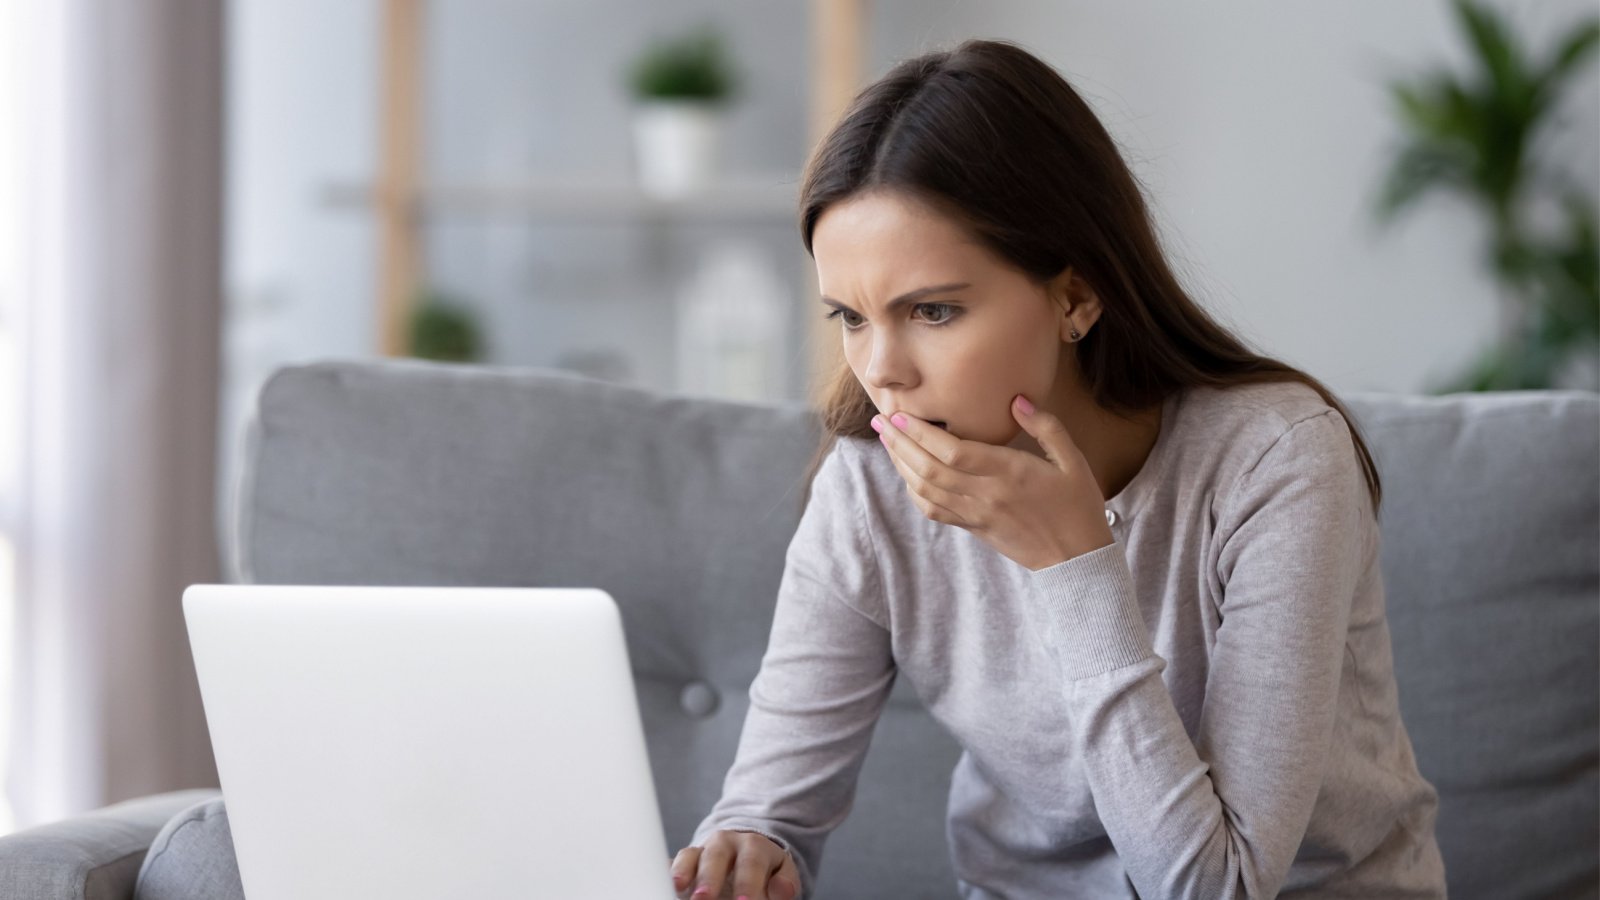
(1020, 439)
(1000, 439)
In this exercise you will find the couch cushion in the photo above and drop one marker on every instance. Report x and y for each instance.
(1491, 562)
(192, 858)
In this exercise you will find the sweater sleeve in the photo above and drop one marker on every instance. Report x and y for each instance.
(1223, 815)
(827, 671)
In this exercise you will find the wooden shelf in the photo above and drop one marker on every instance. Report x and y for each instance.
(742, 199)
(400, 200)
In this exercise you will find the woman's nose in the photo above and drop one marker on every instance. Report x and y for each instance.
(889, 364)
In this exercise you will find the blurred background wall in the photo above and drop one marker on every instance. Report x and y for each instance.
(1260, 130)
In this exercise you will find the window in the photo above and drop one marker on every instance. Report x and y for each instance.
(11, 212)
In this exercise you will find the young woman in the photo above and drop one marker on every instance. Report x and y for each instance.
(1130, 565)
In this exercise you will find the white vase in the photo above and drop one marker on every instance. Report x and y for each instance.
(677, 145)
(731, 325)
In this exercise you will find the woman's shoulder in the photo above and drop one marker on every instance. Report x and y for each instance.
(1254, 437)
(1250, 417)
(1256, 440)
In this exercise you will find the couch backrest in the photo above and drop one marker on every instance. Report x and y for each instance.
(1491, 564)
(408, 472)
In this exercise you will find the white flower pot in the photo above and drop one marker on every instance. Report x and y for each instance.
(677, 145)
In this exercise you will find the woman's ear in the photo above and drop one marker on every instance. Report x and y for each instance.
(1079, 304)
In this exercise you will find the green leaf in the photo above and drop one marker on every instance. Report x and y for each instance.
(1420, 168)
(1574, 47)
(1572, 273)
(1460, 118)
(1421, 114)
(1490, 38)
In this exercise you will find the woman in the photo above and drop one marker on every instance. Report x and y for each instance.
(1131, 565)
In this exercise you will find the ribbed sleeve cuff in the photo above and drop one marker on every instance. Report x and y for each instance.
(764, 833)
(1090, 613)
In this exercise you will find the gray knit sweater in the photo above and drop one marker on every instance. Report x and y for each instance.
(1205, 708)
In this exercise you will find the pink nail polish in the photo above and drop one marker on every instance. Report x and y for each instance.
(898, 420)
(876, 425)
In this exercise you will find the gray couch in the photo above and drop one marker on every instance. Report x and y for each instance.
(405, 472)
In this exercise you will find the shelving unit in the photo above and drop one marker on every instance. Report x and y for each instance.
(401, 200)
(577, 200)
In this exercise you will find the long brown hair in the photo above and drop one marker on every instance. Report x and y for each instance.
(994, 138)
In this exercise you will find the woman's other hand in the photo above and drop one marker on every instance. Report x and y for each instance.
(735, 864)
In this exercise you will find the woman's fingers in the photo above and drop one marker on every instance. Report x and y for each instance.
(747, 863)
(785, 885)
(759, 860)
(684, 867)
(715, 860)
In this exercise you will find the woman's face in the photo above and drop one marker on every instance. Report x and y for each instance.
(957, 354)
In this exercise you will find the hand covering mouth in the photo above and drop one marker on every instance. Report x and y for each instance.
(937, 422)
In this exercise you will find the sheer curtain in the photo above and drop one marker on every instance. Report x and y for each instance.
(112, 306)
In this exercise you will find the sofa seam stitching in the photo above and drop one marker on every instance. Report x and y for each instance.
(173, 836)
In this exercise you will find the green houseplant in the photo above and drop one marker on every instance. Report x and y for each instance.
(444, 329)
(694, 66)
(680, 88)
(1473, 135)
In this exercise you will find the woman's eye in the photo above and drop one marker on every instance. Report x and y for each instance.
(840, 312)
(949, 312)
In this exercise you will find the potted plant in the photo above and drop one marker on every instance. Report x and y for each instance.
(1475, 136)
(680, 89)
(443, 329)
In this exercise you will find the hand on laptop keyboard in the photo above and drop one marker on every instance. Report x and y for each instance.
(735, 864)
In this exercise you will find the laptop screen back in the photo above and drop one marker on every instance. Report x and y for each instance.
(414, 742)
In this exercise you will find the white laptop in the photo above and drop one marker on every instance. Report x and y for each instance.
(419, 743)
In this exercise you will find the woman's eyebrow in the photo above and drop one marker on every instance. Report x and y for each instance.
(903, 299)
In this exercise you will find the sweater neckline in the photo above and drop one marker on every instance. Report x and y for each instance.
(1128, 501)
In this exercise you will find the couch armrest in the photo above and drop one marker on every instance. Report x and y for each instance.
(94, 856)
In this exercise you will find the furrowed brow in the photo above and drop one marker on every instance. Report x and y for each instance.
(904, 299)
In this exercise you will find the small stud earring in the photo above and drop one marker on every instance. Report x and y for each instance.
(1075, 334)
